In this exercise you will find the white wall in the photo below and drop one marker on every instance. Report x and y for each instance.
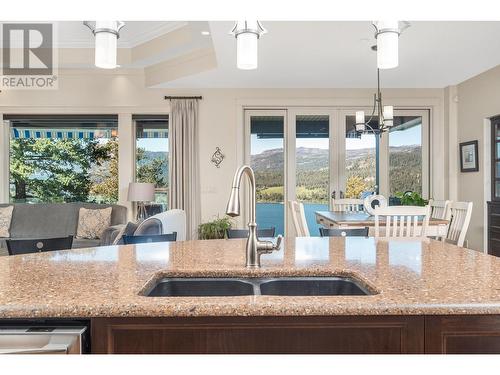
(478, 99)
(220, 116)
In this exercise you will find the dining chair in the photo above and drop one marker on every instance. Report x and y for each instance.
(170, 237)
(298, 218)
(243, 233)
(28, 246)
(459, 215)
(347, 205)
(402, 221)
(336, 232)
(439, 209)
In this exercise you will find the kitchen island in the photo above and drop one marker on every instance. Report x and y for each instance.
(426, 296)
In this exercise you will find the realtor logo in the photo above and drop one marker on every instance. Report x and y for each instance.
(28, 56)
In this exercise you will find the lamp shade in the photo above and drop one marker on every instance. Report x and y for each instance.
(106, 44)
(360, 117)
(247, 51)
(387, 44)
(141, 192)
(247, 35)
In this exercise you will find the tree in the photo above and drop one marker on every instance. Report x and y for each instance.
(105, 174)
(354, 187)
(53, 170)
(152, 170)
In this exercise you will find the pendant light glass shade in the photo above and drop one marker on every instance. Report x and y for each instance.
(247, 34)
(106, 39)
(105, 45)
(388, 115)
(387, 44)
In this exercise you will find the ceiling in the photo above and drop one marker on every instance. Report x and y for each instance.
(74, 34)
(337, 55)
(293, 54)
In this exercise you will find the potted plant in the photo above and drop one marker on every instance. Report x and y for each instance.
(215, 229)
(411, 198)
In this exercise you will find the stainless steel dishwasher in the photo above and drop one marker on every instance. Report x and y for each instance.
(44, 339)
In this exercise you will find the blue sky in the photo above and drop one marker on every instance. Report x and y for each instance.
(153, 144)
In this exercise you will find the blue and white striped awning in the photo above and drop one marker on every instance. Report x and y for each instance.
(75, 133)
(153, 133)
(20, 133)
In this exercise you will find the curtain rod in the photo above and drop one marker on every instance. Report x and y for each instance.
(183, 97)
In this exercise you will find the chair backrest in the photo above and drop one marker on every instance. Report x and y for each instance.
(459, 216)
(347, 205)
(243, 233)
(170, 237)
(15, 247)
(439, 209)
(403, 221)
(150, 226)
(335, 232)
(298, 218)
(172, 221)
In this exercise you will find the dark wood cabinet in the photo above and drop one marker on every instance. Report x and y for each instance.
(494, 228)
(476, 334)
(454, 334)
(370, 334)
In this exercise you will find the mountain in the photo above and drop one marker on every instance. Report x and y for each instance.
(405, 172)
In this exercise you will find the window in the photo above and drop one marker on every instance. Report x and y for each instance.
(63, 158)
(267, 161)
(405, 155)
(312, 158)
(360, 161)
(152, 157)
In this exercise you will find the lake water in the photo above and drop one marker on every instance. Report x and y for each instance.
(272, 215)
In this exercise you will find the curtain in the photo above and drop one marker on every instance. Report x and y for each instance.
(184, 164)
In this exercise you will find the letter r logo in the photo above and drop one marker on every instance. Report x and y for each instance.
(27, 48)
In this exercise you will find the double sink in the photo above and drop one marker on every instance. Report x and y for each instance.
(283, 286)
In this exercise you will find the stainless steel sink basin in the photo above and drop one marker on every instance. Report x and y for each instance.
(318, 286)
(285, 286)
(202, 287)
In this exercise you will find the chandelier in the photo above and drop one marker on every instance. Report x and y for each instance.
(387, 35)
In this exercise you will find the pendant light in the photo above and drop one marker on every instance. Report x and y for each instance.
(383, 113)
(247, 34)
(387, 35)
(106, 36)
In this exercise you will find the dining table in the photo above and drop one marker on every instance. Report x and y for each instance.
(361, 219)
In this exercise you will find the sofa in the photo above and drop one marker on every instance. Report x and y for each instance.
(46, 220)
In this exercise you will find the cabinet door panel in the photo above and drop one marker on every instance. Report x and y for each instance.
(462, 334)
(259, 335)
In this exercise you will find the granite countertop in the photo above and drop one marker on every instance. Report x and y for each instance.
(410, 277)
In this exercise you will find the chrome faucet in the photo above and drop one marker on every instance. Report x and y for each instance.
(255, 248)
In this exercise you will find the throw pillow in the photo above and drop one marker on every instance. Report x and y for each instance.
(91, 222)
(127, 230)
(5, 219)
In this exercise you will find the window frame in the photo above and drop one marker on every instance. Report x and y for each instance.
(146, 117)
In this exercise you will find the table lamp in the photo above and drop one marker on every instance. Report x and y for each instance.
(141, 192)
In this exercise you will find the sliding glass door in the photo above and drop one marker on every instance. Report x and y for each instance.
(314, 154)
(311, 161)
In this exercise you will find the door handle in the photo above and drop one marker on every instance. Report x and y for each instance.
(341, 194)
(333, 194)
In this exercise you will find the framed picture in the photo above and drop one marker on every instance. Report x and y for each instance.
(469, 159)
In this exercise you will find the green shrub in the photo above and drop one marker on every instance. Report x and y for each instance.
(215, 229)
